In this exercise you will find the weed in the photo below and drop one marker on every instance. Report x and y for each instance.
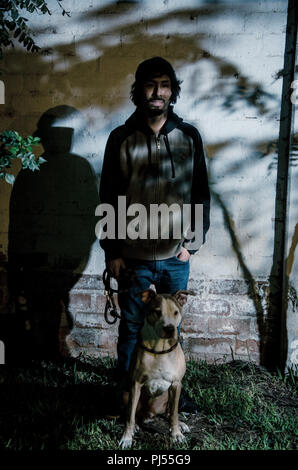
(51, 405)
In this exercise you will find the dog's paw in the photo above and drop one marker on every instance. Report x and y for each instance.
(125, 441)
(183, 427)
(177, 437)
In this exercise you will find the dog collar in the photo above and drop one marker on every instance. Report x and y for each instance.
(159, 352)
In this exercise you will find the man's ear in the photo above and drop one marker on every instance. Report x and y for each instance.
(181, 296)
(148, 295)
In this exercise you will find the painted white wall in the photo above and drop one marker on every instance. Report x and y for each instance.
(88, 62)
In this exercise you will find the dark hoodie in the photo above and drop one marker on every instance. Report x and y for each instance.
(165, 168)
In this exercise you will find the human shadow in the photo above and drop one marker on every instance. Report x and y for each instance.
(51, 232)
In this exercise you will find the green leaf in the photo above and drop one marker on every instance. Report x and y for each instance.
(9, 178)
(13, 150)
(41, 160)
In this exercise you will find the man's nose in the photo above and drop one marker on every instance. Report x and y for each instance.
(157, 89)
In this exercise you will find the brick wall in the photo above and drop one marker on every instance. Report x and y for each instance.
(219, 324)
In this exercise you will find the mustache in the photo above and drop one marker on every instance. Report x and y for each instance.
(156, 98)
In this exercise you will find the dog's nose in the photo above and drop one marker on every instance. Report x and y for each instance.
(169, 330)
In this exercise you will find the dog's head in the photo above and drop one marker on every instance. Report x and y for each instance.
(164, 311)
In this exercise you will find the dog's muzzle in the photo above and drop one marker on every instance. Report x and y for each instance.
(168, 331)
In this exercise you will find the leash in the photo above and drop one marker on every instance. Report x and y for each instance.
(111, 315)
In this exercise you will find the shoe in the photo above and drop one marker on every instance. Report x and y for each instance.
(187, 404)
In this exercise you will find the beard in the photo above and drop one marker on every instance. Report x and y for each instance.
(152, 111)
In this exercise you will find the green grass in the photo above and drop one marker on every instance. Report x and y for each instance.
(48, 405)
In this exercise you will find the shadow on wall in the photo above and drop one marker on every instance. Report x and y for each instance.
(51, 231)
(234, 88)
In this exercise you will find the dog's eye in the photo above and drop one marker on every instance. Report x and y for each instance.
(176, 312)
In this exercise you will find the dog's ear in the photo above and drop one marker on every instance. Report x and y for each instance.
(181, 296)
(147, 295)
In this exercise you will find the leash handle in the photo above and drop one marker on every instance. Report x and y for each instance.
(106, 278)
(110, 307)
(110, 313)
(109, 310)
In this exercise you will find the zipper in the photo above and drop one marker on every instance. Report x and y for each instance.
(157, 141)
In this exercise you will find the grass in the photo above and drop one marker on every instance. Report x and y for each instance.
(64, 406)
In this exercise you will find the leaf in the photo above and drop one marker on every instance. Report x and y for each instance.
(9, 178)
(41, 160)
(14, 150)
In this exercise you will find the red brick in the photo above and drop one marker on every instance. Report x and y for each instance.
(91, 320)
(79, 302)
(229, 286)
(248, 346)
(193, 324)
(100, 302)
(106, 341)
(207, 307)
(229, 326)
(203, 346)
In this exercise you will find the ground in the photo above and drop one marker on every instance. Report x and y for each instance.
(68, 405)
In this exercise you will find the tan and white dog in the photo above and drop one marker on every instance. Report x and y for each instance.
(158, 365)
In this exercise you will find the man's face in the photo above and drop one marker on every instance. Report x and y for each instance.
(157, 94)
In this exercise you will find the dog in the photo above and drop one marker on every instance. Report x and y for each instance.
(158, 366)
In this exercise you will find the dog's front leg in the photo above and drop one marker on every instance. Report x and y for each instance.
(174, 395)
(126, 439)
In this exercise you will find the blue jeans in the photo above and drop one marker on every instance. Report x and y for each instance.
(168, 276)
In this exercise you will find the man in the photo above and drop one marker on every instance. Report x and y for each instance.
(154, 158)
